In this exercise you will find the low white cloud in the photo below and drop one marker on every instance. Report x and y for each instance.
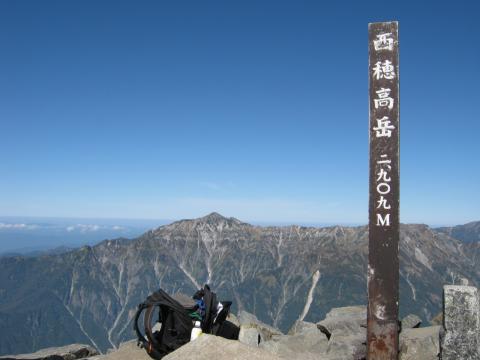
(83, 228)
(8, 226)
(86, 228)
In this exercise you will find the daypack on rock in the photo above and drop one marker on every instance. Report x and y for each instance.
(177, 315)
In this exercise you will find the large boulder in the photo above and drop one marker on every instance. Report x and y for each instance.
(251, 327)
(347, 346)
(69, 352)
(420, 343)
(303, 342)
(209, 347)
(462, 323)
(344, 320)
(301, 326)
(346, 330)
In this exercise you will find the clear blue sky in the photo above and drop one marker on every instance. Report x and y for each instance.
(255, 109)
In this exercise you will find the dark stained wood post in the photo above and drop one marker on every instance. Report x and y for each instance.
(383, 273)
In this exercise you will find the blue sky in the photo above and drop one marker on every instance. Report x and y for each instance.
(254, 109)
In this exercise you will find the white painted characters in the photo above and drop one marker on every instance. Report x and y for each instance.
(383, 188)
(383, 79)
(384, 127)
(382, 203)
(384, 70)
(383, 42)
(384, 99)
(383, 175)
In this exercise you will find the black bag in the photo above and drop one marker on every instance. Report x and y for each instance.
(177, 321)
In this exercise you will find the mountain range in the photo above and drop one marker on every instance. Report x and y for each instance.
(281, 274)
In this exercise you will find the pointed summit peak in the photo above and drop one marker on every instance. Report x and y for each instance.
(214, 216)
(213, 219)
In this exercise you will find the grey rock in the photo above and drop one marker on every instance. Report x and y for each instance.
(462, 323)
(248, 320)
(302, 326)
(208, 347)
(283, 351)
(345, 328)
(348, 346)
(305, 345)
(69, 352)
(343, 321)
(249, 335)
(420, 343)
(126, 351)
(437, 319)
(411, 321)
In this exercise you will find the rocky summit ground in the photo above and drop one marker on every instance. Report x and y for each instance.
(340, 336)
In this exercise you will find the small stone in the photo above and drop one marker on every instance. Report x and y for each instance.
(420, 343)
(248, 320)
(249, 335)
(411, 321)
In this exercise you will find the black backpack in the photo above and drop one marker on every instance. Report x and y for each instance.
(177, 317)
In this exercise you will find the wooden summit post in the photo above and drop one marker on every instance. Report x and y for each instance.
(383, 226)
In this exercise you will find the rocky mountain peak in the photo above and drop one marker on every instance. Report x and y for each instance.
(215, 220)
(213, 217)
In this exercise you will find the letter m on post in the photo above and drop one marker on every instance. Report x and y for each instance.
(383, 221)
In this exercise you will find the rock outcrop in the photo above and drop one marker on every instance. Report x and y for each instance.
(69, 352)
(346, 330)
(304, 342)
(253, 331)
(208, 347)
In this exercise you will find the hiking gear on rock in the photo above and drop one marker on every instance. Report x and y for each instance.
(177, 315)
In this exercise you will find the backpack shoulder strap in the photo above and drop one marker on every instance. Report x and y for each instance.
(210, 300)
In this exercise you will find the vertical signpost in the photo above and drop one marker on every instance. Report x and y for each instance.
(382, 324)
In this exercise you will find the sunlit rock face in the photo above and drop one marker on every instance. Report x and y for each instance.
(280, 274)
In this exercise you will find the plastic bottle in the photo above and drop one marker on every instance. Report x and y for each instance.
(196, 331)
